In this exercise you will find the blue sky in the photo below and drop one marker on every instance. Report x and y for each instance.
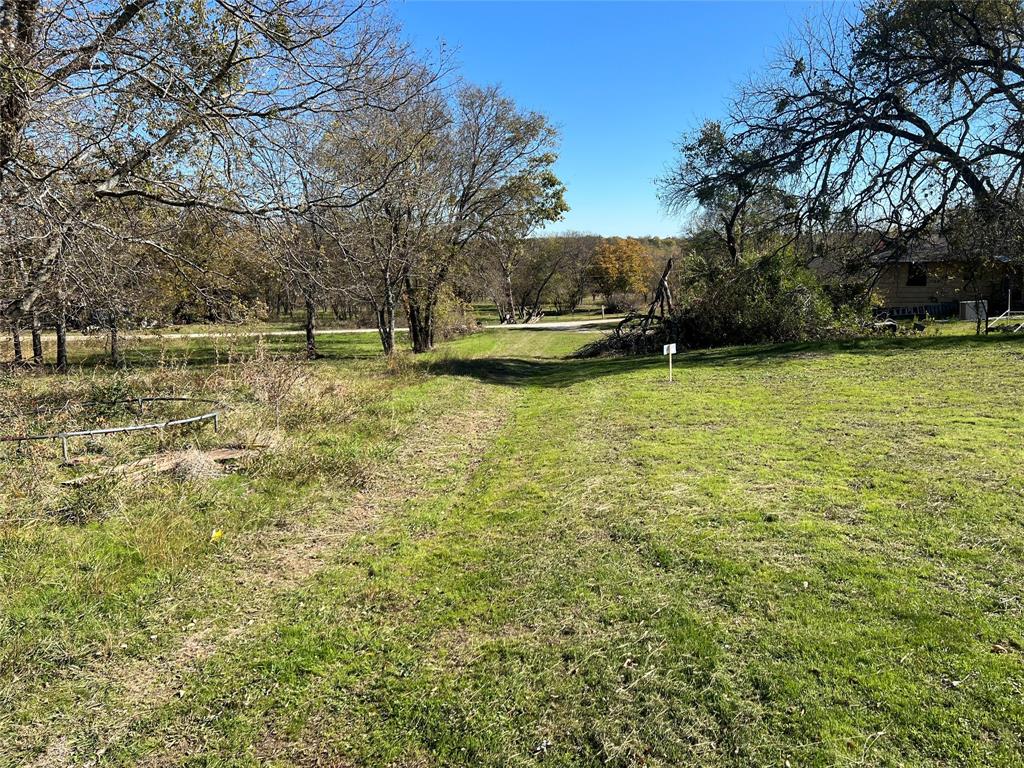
(622, 80)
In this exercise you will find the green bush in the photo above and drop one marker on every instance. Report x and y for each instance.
(453, 317)
(770, 299)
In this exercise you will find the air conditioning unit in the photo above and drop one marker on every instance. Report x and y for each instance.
(970, 310)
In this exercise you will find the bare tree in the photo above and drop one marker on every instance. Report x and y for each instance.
(538, 199)
(493, 151)
(163, 102)
(896, 115)
(573, 278)
(393, 161)
(294, 235)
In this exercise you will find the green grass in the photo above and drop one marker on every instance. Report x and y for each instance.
(499, 556)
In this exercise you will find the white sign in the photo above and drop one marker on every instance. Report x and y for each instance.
(669, 349)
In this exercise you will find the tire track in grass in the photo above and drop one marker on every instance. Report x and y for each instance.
(273, 564)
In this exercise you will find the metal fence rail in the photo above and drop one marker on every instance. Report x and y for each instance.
(213, 416)
(1007, 318)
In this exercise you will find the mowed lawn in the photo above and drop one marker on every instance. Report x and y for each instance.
(804, 555)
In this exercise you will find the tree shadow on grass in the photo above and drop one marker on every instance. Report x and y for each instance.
(514, 371)
(565, 372)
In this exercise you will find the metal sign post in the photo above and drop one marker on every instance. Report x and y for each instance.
(669, 349)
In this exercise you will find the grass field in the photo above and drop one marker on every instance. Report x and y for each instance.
(802, 555)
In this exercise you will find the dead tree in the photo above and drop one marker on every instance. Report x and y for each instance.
(662, 300)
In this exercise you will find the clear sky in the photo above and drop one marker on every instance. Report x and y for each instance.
(621, 80)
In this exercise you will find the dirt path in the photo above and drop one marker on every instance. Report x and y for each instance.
(115, 696)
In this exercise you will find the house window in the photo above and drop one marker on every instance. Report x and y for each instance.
(917, 275)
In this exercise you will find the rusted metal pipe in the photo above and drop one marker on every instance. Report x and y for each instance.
(63, 436)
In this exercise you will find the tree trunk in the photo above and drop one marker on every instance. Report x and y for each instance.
(37, 340)
(510, 298)
(420, 308)
(421, 327)
(574, 301)
(386, 327)
(428, 325)
(535, 312)
(116, 359)
(311, 353)
(62, 344)
(730, 235)
(16, 339)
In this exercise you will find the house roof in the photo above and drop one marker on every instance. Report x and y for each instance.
(924, 251)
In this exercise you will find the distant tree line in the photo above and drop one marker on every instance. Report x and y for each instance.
(525, 278)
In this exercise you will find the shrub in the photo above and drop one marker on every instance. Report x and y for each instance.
(274, 379)
(453, 317)
(770, 299)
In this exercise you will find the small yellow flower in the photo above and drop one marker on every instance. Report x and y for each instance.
(217, 535)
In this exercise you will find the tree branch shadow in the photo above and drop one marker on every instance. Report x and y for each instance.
(565, 372)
